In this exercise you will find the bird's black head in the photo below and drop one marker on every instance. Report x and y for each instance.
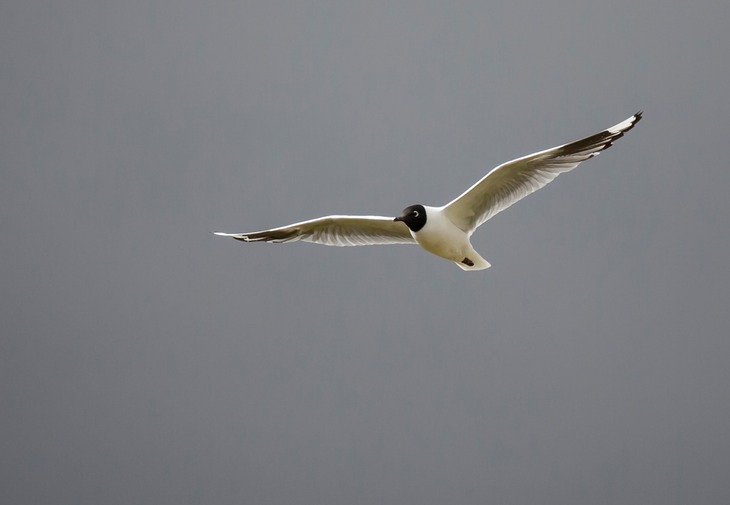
(414, 217)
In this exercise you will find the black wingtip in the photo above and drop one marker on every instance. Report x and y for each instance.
(637, 117)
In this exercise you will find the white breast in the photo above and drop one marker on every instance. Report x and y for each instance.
(441, 237)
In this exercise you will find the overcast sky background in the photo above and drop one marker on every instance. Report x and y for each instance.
(144, 360)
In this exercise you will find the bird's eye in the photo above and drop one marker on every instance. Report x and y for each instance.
(415, 213)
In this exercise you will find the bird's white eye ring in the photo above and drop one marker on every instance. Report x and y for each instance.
(415, 213)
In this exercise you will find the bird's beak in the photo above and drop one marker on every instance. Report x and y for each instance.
(399, 218)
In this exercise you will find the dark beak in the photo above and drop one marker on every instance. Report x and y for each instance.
(399, 218)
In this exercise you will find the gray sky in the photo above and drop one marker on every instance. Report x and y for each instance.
(143, 360)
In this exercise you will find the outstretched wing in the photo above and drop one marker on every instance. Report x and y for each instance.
(338, 231)
(512, 181)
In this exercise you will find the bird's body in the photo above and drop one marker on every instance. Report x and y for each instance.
(445, 231)
(440, 236)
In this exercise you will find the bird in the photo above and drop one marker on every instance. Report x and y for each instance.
(446, 231)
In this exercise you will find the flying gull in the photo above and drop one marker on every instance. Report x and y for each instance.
(445, 231)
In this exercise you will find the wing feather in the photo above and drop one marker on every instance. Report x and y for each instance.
(340, 231)
(510, 182)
